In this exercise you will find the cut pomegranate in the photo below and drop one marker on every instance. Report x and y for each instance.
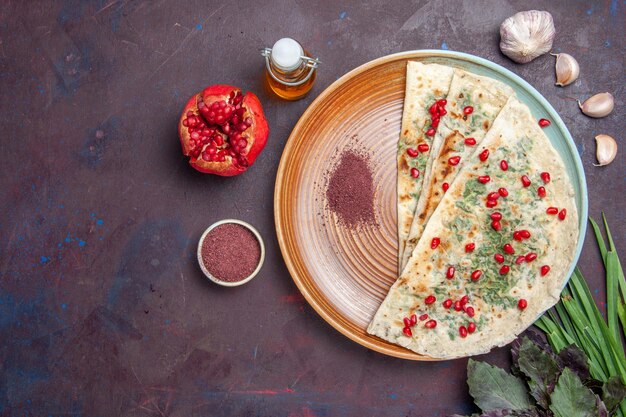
(222, 131)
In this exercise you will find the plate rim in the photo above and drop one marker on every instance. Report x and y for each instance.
(413, 54)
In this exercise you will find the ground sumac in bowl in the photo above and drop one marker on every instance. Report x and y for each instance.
(230, 252)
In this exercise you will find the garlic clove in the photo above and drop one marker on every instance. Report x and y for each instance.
(606, 150)
(567, 69)
(599, 105)
(526, 35)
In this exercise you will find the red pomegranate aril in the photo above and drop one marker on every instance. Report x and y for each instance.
(499, 258)
(470, 141)
(447, 303)
(491, 203)
(517, 236)
(503, 192)
(435, 242)
(476, 275)
(430, 324)
(544, 122)
(430, 132)
(562, 214)
(520, 259)
(423, 147)
(484, 155)
(493, 195)
(544, 270)
(463, 331)
(525, 181)
(545, 176)
(522, 304)
(464, 300)
(430, 299)
(454, 160)
(407, 332)
(433, 109)
(413, 319)
(552, 210)
(471, 327)
(423, 317)
(450, 272)
(458, 306)
(407, 322)
(469, 310)
(541, 192)
(470, 247)
(415, 172)
(412, 152)
(434, 122)
(496, 215)
(531, 256)
(508, 248)
(468, 110)
(505, 269)
(504, 166)
(484, 179)
(442, 112)
(525, 234)
(445, 186)
(442, 102)
(495, 225)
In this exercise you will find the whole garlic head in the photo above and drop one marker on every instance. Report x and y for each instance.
(526, 35)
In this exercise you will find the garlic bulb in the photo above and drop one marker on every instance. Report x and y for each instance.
(526, 35)
(566, 68)
(599, 105)
(606, 149)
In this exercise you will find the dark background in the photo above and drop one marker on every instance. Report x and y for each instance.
(103, 310)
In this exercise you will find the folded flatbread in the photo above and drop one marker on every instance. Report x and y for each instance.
(463, 218)
(425, 84)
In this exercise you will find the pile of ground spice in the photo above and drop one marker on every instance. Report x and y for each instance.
(350, 192)
(230, 252)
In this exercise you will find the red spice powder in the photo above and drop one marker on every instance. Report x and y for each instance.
(230, 252)
(350, 191)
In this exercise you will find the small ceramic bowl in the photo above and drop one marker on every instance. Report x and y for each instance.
(261, 257)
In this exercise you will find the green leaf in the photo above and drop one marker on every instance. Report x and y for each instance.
(571, 398)
(599, 238)
(541, 369)
(611, 294)
(613, 392)
(492, 388)
(575, 359)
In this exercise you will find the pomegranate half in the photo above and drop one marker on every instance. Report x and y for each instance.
(222, 130)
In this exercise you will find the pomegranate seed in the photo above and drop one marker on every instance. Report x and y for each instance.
(407, 322)
(458, 306)
(493, 196)
(423, 147)
(541, 192)
(525, 234)
(525, 181)
(484, 179)
(430, 132)
(484, 155)
(435, 242)
(468, 110)
(470, 141)
(415, 173)
(496, 225)
(423, 317)
(496, 215)
(412, 152)
(508, 248)
(545, 176)
(445, 186)
(470, 247)
(442, 111)
(413, 319)
(430, 299)
(447, 303)
(504, 165)
(450, 272)
(442, 102)
(454, 160)
(433, 109)
(552, 210)
(476, 275)
(407, 332)
(471, 327)
(430, 324)
(562, 214)
(544, 270)
(520, 259)
(503, 192)
(491, 203)
(463, 331)
(531, 256)
(464, 300)
(522, 304)
(544, 122)
(499, 258)
(517, 236)
(434, 122)
(505, 269)
(470, 311)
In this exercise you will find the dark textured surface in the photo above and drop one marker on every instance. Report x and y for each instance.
(103, 310)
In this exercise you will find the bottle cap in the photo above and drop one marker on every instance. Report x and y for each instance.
(287, 54)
